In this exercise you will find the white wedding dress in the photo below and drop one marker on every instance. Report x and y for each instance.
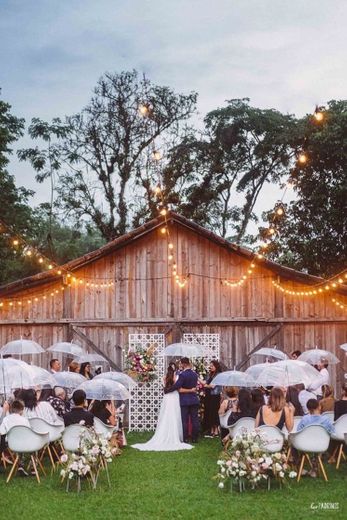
(168, 435)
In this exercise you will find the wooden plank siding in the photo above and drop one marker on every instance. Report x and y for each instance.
(145, 298)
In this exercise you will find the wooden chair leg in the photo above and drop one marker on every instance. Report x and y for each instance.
(41, 465)
(35, 468)
(13, 469)
(51, 457)
(301, 467)
(289, 452)
(339, 456)
(55, 453)
(308, 460)
(322, 468)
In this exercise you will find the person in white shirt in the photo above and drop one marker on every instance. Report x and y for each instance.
(15, 417)
(35, 408)
(304, 396)
(323, 379)
(54, 366)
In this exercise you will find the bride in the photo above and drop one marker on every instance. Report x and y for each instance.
(168, 435)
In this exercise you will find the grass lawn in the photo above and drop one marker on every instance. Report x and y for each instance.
(176, 485)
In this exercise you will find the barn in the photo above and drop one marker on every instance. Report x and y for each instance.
(172, 276)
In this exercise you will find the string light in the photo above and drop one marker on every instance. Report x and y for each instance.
(302, 158)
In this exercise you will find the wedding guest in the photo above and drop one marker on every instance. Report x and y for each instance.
(304, 396)
(314, 417)
(35, 408)
(258, 401)
(228, 404)
(212, 401)
(340, 407)
(54, 366)
(14, 418)
(85, 370)
(276, 412)
(78, 413)
(243, 407)
(292, 396)
(44, 394)
(59, 402)
(324, 378)
(295, 354)
(74, 367)
(327, 403)
(105, 411)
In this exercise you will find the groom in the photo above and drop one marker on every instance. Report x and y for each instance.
(189, 401)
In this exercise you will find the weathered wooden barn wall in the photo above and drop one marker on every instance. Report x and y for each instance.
(145, 298)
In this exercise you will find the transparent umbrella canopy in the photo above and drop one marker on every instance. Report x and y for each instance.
(185, 350)
(267, 352)
(344, 347)
(119, 377)
(67, 348)
(69, 380)
(316, 355)
(288, 373)
(91, 358)
(21, 347)
(233, 378)
(105, 390)
(255, 370)
(24, 376)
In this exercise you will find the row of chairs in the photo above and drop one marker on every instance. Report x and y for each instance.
(43, 437)
(312, 439)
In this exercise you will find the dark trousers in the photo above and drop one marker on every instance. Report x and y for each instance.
(190, 411)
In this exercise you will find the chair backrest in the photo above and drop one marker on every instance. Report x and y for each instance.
(223, 419)
(296, 420)
(243, 425)
(41, 426)
(311, 439)
(329, 415)
(103, 429)
(340, 426)
(72, 436)
(273, 438)
(22, 439)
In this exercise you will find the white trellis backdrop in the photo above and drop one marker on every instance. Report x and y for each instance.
(210, 341)
(146, 398)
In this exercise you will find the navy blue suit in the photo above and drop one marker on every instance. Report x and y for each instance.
(189, 402)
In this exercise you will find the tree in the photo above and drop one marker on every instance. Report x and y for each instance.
(312, 236)
(104, 153)
(216, 178)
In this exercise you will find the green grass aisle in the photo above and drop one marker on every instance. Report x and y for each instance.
(169, 486)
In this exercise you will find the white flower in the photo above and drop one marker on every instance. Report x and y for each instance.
(70, 475)
(281, 474)
(82, 423)
(64, 458)
(221, 485)
(63, 473)
(292, 474)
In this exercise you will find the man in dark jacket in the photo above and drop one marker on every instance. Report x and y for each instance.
(78, 414)
(189, 401)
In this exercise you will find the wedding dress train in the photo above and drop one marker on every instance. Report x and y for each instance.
(168, 435)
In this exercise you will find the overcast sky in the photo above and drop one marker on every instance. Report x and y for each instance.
(287, 55)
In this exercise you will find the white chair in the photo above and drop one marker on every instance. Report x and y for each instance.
(313, 439)
(103, 429)
(273, 438)
(243, 425)
(329, 415)
(296, 420)
(71, 437)
(340, 426)
(22, 439)
(54, 432)
(223, 419)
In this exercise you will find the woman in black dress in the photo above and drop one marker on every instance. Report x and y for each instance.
(212, 401)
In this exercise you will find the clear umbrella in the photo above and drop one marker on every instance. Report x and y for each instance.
(119, 377)
(69, 380)
(5, 373)
(91, 358)
(268, 352)
(317, 355)
(25, 376)
(65, 347)
(104, 390)
(21, 347)
(287, 373)
(185, 350)
(344, 346)
(234, 378)
(255, 370)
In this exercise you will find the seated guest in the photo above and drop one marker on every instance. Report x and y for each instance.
(54, 366)
(304, 396)
(105, 411)
(85, 370)
(35, 408)
(78, 413)
(74, 367)
(15, 417)
(340, 407)
(243, 408)
(292, 396)
(58, 401)
(314, 417)
(327, 402)
(276, 412)
(229, 403)
(258, 401)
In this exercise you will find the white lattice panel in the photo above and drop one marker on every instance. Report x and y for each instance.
(210, 341)
(146, 398)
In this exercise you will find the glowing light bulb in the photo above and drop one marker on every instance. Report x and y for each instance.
(272, 231)
(143, 109)
(302, 158)
(170, 257)
(40, 260)
(59, 272)
(163, 212)
(318, 115)
(156, 155)
(157, 190)
(50, 266)
(15, 242)
(171, 246)
(279, 211)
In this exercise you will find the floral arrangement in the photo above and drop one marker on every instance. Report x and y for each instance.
(246, 460)
(94, 454)
(141, 363)
(200, 368)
